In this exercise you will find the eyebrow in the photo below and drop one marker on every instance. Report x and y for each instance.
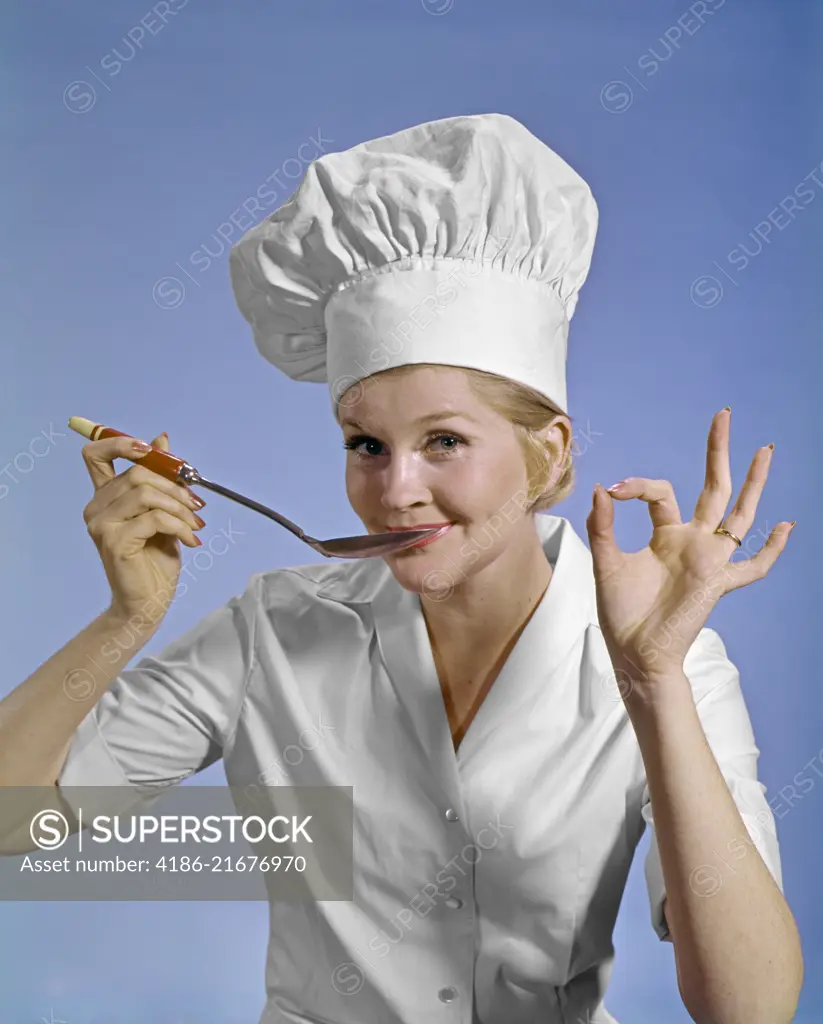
(446, 414)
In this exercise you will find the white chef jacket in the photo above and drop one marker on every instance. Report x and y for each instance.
(486, 882)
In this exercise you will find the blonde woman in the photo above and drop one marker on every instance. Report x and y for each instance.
(511, 707)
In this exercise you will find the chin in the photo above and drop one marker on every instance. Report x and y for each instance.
(419, 579)
(426, 571)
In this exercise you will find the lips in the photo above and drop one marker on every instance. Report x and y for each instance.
(442, 531)
(417, 526)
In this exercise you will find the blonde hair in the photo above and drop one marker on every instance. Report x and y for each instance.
(529, 412)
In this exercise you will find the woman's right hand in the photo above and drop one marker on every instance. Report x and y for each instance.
(135, 520)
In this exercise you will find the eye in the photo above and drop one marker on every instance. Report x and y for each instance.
(354, 443)
(458, 441)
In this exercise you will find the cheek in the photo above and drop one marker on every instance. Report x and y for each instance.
(354, 485)
(353, 478)
(491, 478)
(362, 487)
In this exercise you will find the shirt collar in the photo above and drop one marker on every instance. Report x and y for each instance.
(523, 682)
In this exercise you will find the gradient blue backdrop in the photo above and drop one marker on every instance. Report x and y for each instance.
(125, 162)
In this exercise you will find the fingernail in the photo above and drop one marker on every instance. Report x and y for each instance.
(770, 446)
(791, 525)
(614, 487)
(197, 501)
(198, 542)
(727, 408)
(200, 522)
(141, 446)
(164, 434)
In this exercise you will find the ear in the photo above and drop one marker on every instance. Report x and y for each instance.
(559, 432)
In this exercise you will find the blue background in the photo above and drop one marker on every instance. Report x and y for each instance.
(125, 162)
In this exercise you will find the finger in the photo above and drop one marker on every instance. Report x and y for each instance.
(748, 570)
(606, 555)
(130, 537)
(739, 520)
(659, 494)
(717, 486)
(134, 477)
(139, 499)
(99, 456)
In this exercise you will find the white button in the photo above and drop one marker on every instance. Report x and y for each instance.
(451, 815)
(447, 994)
(454, 902)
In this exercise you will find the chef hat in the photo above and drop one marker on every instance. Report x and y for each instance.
(462, 241)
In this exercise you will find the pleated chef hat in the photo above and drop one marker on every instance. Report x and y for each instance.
(462, 241)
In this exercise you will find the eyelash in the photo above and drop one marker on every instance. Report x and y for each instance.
(354, 442)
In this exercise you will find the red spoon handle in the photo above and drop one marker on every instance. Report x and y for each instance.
(163, 463)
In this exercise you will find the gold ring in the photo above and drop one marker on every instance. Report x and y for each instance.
(726, 533)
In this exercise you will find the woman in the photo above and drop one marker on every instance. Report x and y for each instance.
(508, 707)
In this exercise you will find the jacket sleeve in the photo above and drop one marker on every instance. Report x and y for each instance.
(722, 712)
(169, 716)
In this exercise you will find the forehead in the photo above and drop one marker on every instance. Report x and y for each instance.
(416, 395)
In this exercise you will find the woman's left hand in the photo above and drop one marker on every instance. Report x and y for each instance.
(652, 603)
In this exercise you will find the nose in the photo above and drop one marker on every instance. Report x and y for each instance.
(403, 482)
